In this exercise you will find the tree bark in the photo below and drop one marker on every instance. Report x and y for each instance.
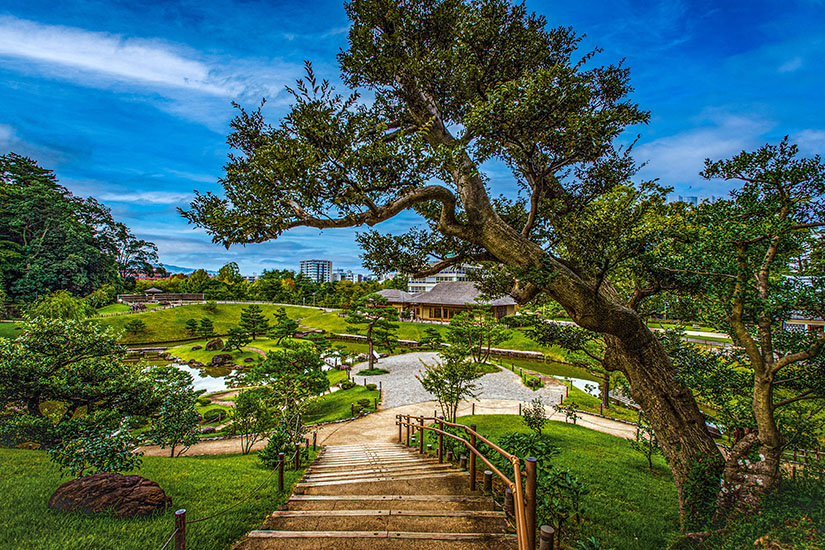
(605, 390)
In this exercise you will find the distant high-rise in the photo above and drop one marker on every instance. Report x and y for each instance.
(319, 271)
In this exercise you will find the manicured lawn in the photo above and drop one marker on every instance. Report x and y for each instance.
(185, 352)
(9, 330)
(202, 485)
(168, 325)
(336, 376)
(112, 308)
(338, 405)
(550, 368)
(628, 507)
(372, 372)
(586, 402)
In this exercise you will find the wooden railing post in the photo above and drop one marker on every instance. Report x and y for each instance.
(407, 424)
(180, 530)
(398, 419)
(297, 455)
(546, 537)
(472, 457)
(281, 472)
(421, 435)
(449, 456)
(440, 443)
(509, 504)
(530, 497)
(314, 440)
(488, 480)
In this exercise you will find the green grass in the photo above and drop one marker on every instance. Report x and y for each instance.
(550, 368)
(336, 376)
(629, 507)
(168, 325)
(586, 402)
(372, 372)
(202, 485)
(185, 352)
(9, 330)
(338, 405)
(112, 308)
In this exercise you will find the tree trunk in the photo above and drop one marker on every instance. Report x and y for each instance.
(371, 360)
(694, 459)
(605, 390)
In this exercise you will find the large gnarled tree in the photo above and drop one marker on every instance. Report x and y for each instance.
(457, 84)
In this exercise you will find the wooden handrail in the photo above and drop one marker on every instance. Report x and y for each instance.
(526, 503)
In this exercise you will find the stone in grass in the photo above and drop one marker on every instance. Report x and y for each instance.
(196, 348)
(249, 360)
(121, 495)
(221, 359)
(215, 345)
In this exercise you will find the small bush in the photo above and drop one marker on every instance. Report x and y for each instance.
(214, 415)
(347, 385)
(372, 387)
(372, 372)
(204, 401)
(364, 403)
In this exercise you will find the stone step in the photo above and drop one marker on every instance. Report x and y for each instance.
(377, 470)
(391, 502)
(376, 540)
(388, 520)
(320, 465)
(447, 483)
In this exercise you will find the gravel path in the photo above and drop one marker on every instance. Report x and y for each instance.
(401, 387)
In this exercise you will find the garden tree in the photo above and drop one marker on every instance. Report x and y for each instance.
(743, 250)
(455, 84)
(295, 373)
(237, 338)
(192, 326)
(374, 317)
(452, 380)
(253, 321)
(476, 330)
(645, 442)
(432, 337)
(230, 274)
(64, 377)
(97, 446)
(206, 329)
(59, 305)
(284, 326)
(252, 416)
(318, 341)
(103, 296)
(175, 424)
(135, 326)
(52, 240)
(577, 342)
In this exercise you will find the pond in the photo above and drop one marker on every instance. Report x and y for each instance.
(211, 379)
(588, 386)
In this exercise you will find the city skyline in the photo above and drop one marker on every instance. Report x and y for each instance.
(131, 103)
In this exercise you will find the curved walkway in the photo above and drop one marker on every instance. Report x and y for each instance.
(401, 387)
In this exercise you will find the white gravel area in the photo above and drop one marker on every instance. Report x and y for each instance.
(402, 388)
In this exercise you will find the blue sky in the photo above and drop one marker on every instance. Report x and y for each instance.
(129, 101)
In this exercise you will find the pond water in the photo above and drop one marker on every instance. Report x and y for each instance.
(588, 386)
(210, 379)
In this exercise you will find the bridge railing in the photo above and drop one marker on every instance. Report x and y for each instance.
(524, 496)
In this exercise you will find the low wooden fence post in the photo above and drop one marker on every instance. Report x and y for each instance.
(180, 530)
(281, 472)
(398, 419)
(509, 503)
(472, 457)
(297, 455)
(407, 424)
(530, 495)
(488, 480)
(421, 435)
(314, 440)
(546, 537)
(440, 443)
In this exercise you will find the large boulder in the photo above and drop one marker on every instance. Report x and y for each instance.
(196, 348)
(221, 359)
(215, 345)
(124, 496)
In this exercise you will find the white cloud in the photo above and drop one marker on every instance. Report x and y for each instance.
(810, 142)
(145, 197)
(7, 136)
(122, 58)
(791, 65)
(677, 160)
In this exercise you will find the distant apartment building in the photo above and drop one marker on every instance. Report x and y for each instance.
(344, 275)
(454, 274)
(319, 271)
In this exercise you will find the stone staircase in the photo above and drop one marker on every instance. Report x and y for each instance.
(381, 496)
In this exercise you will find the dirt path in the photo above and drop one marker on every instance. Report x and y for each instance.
(380, 427)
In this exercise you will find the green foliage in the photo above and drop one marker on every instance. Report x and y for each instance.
(645, 442)
(252, 416)
(374, 317)
(65, 377)
(559, 495)
(590, 543)
(135, 326)
(477, 331)
(176, 421)
(450, 381)
(372, 372)
(371, 387)
(59, 305)
(534, 416)
(432, 338)
(284, 326)
(203, 401)
(347, 385)
(237, 338)
(206, 328)
(253, 321)
(295, 373)
(214, 415)
(211, 306)
(524, 445)
(94, 450)
(192, 327)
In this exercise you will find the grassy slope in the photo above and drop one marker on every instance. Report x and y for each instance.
(628, 507)
(202, 485)
(338, 405)
(8, 330)
(185, 352)
(169, 324)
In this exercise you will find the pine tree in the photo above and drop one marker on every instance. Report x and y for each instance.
(206, 329)
(253, 321)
